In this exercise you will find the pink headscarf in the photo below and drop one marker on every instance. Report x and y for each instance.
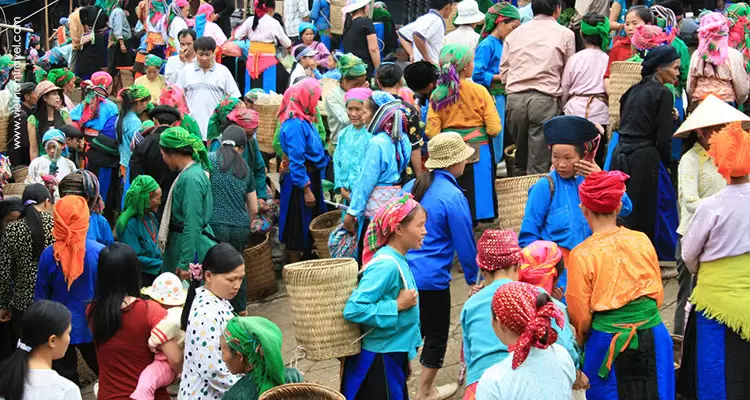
(647, 37)
(713, 38)
(357, 94)
(101, 78)
(182, 3)
(172, 95)
(383, 224)
(300, 101)
(205, 9)
(244, 117)
(539, 264)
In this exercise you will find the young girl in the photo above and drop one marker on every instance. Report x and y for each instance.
(353, 141)
(28, 373)
(385, 303)
(538, 368)
(134, 101)
(54, 161)
(251, 346)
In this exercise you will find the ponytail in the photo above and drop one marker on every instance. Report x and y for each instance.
(33, 195)
(127, 104)
(421, 185)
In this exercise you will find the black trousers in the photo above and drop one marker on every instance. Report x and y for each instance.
(67, 366)
(435, 321)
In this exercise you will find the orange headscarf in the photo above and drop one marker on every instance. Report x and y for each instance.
(730, 150)
(71, 226)
(539, 264)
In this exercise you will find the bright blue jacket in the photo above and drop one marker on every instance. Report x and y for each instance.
(321, 14)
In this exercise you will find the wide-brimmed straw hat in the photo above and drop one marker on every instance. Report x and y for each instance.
(446, 149)
(712, 111)
(45, 87)
(467, 12)
(354, 5)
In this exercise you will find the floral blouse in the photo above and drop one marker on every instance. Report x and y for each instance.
(204, 374)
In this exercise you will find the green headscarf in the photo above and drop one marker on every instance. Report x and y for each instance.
(259, 341)
(6, 61)
(453, 59)
(60, 76)
(351, 66)
(601, 29)
(137, 200)
(139, 92)
(498, 13)
(153, 61)
(222, 110)
(177, 137)
(40, 74)
(737, 10)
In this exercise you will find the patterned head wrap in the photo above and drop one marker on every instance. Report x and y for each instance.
(713, 38)
(498, 249)
(259, 341)
(137, 199)
(172, 95)
(382, 98)
(177, 137)
(221, 111)
(54, 134)
(383, 224)
(305, 26)
(391, 118)
(60, 76)
(71, 216)
(498, 13)
(514, 306)
(83, 182)
(351, 66)
(6, 65)
(101, 78)
(153, 61)
(601, 29)
(730, 150)
(301, 100)
(601, 192)
(244, 117)
(40, 74)
(453, 59)
(205, 9)
(647, 37)
(539, 264)
(358, 94)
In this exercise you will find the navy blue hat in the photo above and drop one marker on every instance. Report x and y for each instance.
(569, 129)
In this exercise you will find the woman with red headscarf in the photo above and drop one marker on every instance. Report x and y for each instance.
(614, 294)
(173, 95)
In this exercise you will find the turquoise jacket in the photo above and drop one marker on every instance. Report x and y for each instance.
(139, 234)
(373, 305)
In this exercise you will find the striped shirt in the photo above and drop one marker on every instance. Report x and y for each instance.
(205, 89)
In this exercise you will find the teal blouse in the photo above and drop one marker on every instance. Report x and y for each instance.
(141, 234)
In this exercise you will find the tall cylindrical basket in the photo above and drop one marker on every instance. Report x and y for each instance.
(266, 126)
(259, 272)
(622, 75)
(320, 230)
(512, 194)
(337, 16)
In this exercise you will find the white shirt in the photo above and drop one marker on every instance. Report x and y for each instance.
(214, 31)
(178, 24)
(545, 374)
(173, 68)
(269, 30)
(205, 89)
(40, 167)
(464, 34)
(294, 12)
(431, 27)
(46, 384)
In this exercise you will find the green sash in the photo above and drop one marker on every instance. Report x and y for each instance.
(471, 135)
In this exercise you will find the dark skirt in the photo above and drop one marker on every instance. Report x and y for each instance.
(92, 57)
(110, 188)
(715, 361)
(295, 217)
(645, 373)
(237, 237)
(375, 376)
(478, 183)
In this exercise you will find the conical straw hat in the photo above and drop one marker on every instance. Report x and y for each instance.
(710, 112)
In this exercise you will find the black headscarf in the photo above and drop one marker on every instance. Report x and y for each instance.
(657, 57)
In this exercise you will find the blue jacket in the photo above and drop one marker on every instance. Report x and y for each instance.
(51, 285)
(99, 230)
(449, 230)
(321, 14)
(373, 304)
(487, 60)
(301, 143)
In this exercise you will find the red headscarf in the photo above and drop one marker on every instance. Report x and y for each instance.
(539, 264)
(383, 224)
(300, 101)
(173, 95)
(261, 10)
(514, 305)
(246, 118)
(498, 249)
(601, 192)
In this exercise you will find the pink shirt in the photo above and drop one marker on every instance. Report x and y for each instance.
(584, 76)
(534, 56)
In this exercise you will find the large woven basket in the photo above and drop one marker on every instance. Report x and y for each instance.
(266, 126)
(622, 75)
(20, 173)
(321, 228)
(318, 291)
(4, 125)
(512, 194)
(328, 85)
(14, 190)
(259, 272)
(301, 391)
(337, 16)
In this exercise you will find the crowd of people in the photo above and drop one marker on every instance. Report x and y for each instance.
(124, 250)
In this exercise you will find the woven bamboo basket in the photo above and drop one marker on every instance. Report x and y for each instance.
(14, 190)
(4, 129)
(301, 391)
(266, 126)
(449, 27)
(622, 75)
(337, 16)
(20, 173)
(259, 272)
(321, 228)
(318, 291)
(512, 194)
(85, 375)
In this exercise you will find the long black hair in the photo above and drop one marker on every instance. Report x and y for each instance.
(233, 136)
(119, 276)
(421, 185)
(41, 320)
(127, 103)
(263, 3)
(220, 259)
(41, 116)
(35, 194)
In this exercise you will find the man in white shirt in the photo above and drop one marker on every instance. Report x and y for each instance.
(423, 38)
(295, 12)
(186, 56)
(205, 83)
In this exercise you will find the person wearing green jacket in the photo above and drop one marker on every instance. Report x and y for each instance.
(185, 235)
(137, 225)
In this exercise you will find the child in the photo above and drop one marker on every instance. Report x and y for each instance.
(305, 64)
(166, 290)
(539, 368)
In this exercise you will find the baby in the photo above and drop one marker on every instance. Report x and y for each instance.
(166, 290)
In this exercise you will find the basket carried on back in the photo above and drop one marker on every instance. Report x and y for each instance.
(512, 194)
(328, 85)
(4, 125)
(20, 173)
(259, 272)
(321, 228)
(622, 75)
(449, 27)
(14, 190)
(301, 391)
(318, 291)
(266, 126)
(337, 16)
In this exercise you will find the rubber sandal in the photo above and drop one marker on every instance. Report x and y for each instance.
(446, 391)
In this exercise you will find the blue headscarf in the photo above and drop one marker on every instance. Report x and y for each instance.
(58, 136)
(380, 98)
(305, 26)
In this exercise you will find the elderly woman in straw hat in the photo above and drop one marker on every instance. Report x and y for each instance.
(698, 179)
(449, 230)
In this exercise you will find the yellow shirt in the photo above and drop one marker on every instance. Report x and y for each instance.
(155, 86)
(475, 108)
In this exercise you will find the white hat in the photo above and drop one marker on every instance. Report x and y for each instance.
(354, 5)
(712, 111)
(167, 290)
(467, 12)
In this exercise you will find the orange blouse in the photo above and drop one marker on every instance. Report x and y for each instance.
(607, 271)
(474, 108)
